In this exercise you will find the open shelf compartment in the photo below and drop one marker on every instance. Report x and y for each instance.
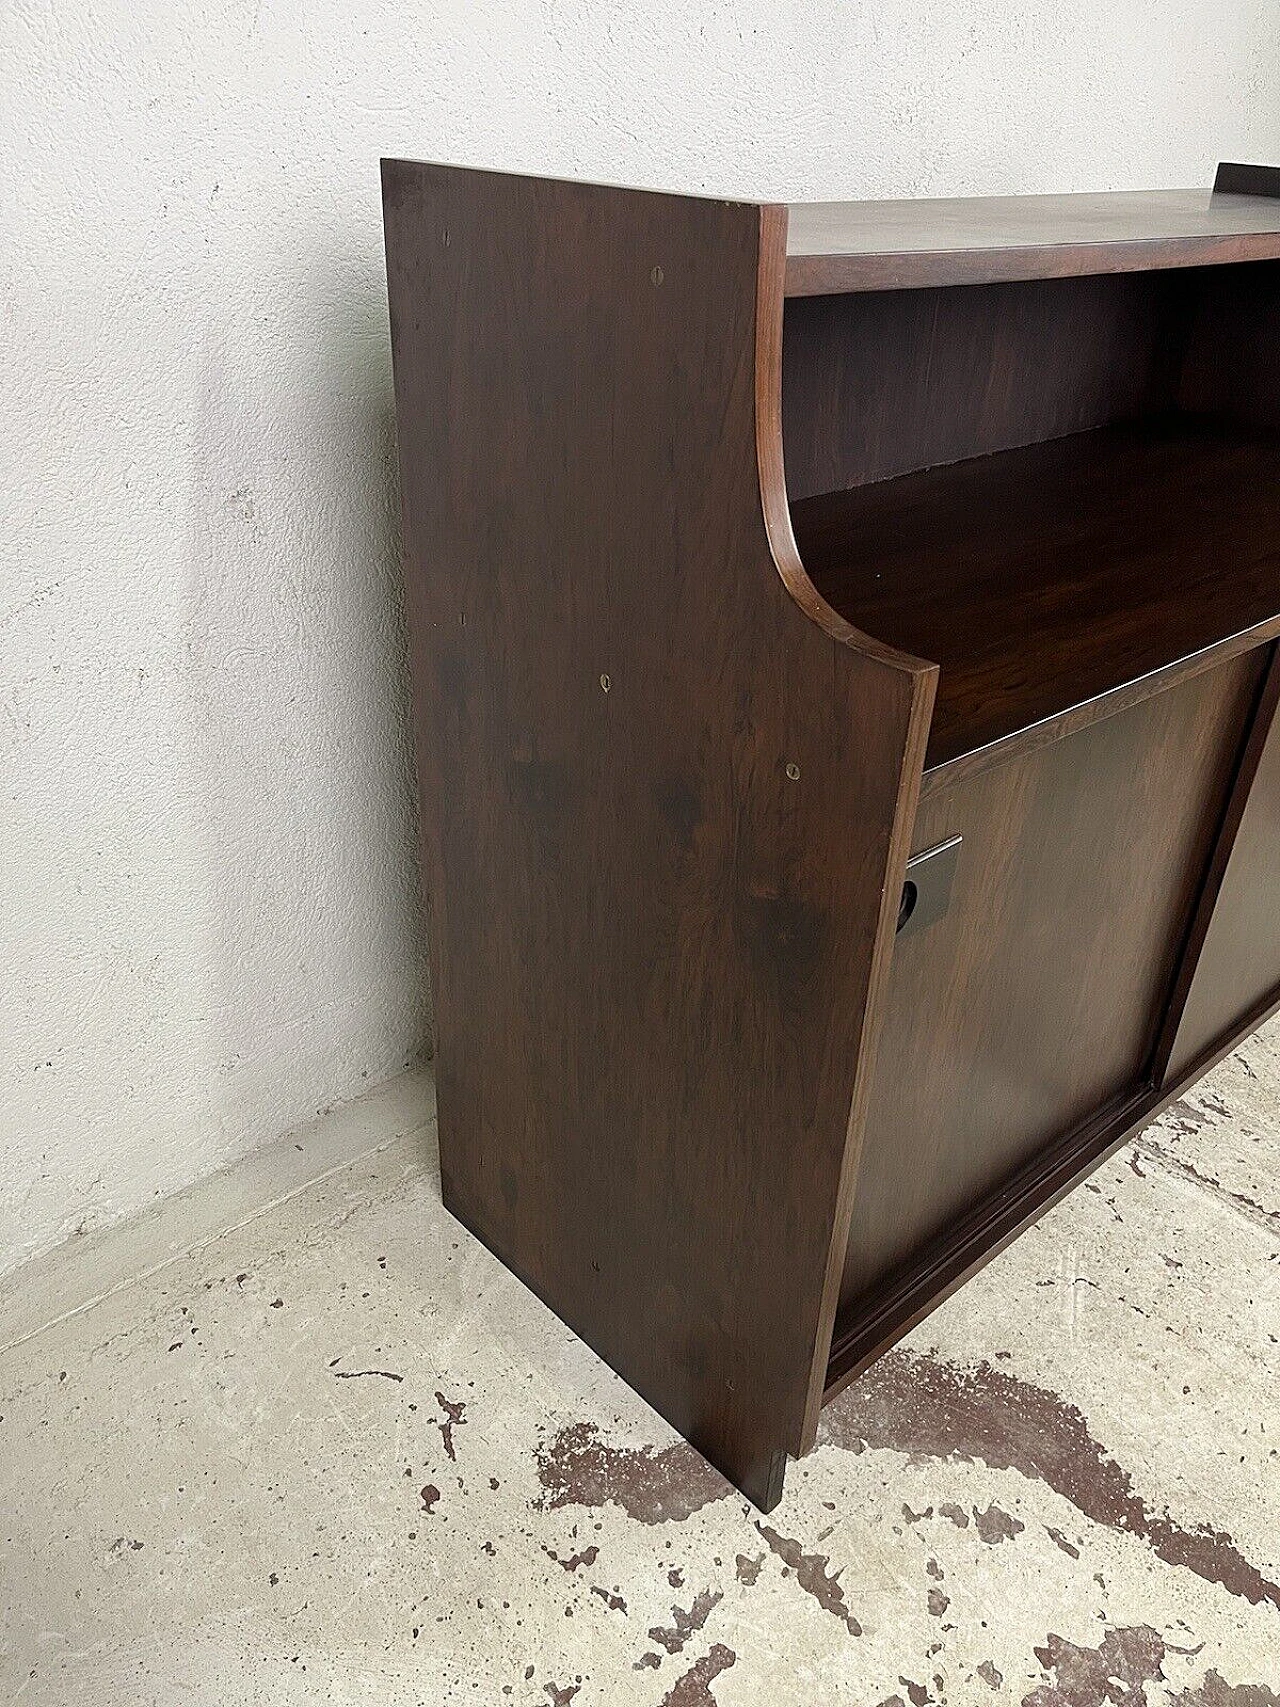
(1044, 577)
(1058, 490)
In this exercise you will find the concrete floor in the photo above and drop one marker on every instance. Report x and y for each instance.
(337, 1454)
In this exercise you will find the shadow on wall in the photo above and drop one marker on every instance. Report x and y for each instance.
(302, 792)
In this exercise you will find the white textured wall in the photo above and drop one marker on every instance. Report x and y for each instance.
(208, 925)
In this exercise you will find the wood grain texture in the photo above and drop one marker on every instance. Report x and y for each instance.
(887, 382)
(665, 789)
(1036, 1000)
(968, 1244)
(673, 729)
(835, 247)
(1042, 578)
(1232, 966)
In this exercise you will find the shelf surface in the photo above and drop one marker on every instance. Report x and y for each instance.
(1042, 578)
(849, 246)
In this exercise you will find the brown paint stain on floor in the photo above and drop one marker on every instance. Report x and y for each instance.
(922, 1405)
(686, 1624)
(653, 1486)
(930, 1409)
(995, 1525)
(453, 1418)
(482, 1493)
(1115, 1672)
(813, 1576)
(693, 1689)
(1215, 1691)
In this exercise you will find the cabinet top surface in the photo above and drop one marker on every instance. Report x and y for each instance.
(847, 246)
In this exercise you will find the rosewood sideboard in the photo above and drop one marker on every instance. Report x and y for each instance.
(844, 667)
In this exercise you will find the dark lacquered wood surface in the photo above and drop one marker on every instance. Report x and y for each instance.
(1234, 963)
(971, 1240)
(1043, 577)
(670, 763)
(665, 807)
(1233, 349)
(1036, 1000)
(850, 246)
(889, 382)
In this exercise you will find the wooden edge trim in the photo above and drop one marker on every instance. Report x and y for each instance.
(900, 838)
(922, 679)
(996, 1222)
(1234, 178)
(769, 458)
(921, 269)
(1248, 759)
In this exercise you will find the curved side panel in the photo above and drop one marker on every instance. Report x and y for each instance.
(884, 673)
(773, 480)
(662, 803)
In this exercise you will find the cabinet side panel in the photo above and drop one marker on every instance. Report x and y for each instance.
(658, 799)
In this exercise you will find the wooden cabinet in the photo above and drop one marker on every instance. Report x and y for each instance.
(752, 554)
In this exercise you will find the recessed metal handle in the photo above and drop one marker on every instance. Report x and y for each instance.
(926, 893)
